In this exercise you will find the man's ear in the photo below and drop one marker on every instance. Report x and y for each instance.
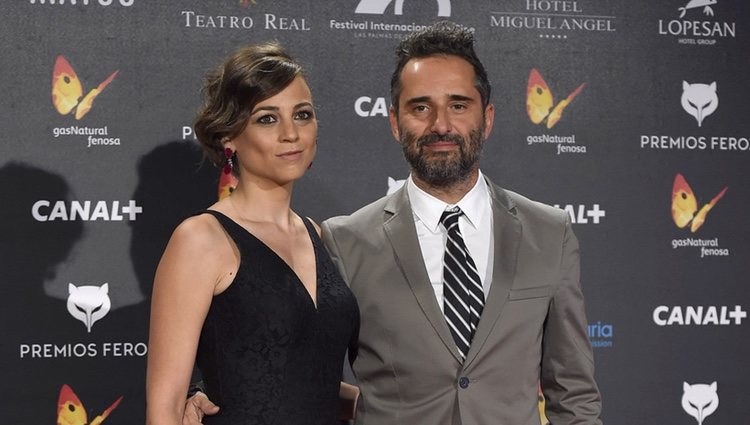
(393, 118)
(489, 120)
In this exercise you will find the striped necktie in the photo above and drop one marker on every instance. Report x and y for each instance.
(463, 297)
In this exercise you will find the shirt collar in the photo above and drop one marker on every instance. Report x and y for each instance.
(428, 208)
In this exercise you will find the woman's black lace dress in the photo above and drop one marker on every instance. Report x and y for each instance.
(266, 353)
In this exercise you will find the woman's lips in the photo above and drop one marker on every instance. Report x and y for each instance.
(290, 155)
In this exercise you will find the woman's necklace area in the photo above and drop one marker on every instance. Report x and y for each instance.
(244, 219)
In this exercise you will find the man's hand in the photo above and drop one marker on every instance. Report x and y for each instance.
(196, 407)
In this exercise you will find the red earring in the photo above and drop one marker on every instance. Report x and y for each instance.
(228, 166)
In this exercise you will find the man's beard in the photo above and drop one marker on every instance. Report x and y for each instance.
(442, 169)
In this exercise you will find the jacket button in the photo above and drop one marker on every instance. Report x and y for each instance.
(463, 382)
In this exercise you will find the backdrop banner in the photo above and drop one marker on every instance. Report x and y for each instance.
(98, 164)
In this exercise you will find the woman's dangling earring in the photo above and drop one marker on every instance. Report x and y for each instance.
(228, 166)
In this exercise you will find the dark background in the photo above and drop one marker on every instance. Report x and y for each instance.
(634, 77)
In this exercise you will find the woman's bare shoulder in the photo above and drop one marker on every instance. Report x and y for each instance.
(199, 232)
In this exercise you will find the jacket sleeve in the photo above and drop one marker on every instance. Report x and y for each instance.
(567, 370)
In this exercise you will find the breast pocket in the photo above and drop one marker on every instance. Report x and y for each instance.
(524, 315)
(529, 293)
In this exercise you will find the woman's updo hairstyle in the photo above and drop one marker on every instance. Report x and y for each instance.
(230, 93)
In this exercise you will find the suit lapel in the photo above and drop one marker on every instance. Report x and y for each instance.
(402, 235)
(506, 229)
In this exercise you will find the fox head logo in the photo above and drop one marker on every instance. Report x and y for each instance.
(699, 400)
(394, 185)
(699, 100)
(88, 303)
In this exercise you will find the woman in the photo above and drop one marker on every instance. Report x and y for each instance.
(248, 284)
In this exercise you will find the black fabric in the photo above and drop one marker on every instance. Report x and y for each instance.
(267, 355)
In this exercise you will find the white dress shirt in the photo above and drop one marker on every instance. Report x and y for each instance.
(475, 225)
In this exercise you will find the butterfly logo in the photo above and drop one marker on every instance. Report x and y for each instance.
(70, 410)
(67, 90)
(685, 205)
(539, 100)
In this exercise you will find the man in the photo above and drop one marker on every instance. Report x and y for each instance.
(463, 311)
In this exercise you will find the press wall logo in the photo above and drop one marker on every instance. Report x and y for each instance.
(187, 132)
(583, 214)
(80, 350)
(47, 210)
(88, 303)
(543, 111)
(242, 21)
(378, 7)
(125, 3)
(70, 409)
(699, 315)
(685, 212)
(699, 100)
(392, 25)
(601, 334)
(688, 28)
(366, 106)
(68, 99)
(700, 400)
(553, 19)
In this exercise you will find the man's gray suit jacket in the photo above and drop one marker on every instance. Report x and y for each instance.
(533, 328)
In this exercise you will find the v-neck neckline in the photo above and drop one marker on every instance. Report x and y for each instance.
(308, 227)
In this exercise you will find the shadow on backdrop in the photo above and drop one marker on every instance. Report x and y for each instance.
(30, 253)
(174, 182)
(31, 249)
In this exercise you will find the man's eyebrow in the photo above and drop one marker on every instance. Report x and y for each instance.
(460, 97)
(453, 97)
(419, 99)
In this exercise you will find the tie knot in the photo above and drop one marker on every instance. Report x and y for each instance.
(450, 217)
